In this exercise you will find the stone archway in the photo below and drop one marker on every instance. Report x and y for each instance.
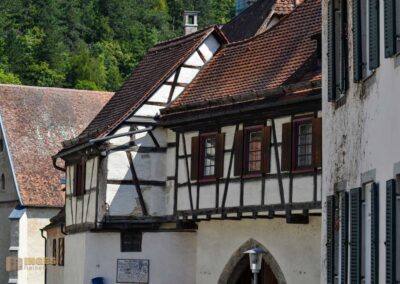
(232, 270)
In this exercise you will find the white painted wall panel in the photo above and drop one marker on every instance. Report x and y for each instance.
(91, 173)
(121, 140)
(122, 200)
(303, 189)
(252, 193)
(178, 90)
(209, 47)
(233, 196)
(207, 196)
(272, 195)
(194, 60)
(161, 95)
(187, 75)
(148, 110)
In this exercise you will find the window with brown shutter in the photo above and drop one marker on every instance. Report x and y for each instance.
(252, 150)
(302, 144)
(208, 156)
(61, 251)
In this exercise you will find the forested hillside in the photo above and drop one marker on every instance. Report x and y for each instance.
(89, 44)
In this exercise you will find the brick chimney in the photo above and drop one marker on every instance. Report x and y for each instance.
(190, 20)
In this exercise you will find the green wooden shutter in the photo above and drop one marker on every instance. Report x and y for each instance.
(344, 233)
(345, 49)
(331, 52)
(390, 27)
(355, 236)
(373, 34)
(330, 244)
(390, 231)
(357, 47)
(375, 234)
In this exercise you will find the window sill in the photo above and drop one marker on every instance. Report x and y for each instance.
(340, 101)
(206, 180)
(252, 175)
(368, 77)
(303, 170)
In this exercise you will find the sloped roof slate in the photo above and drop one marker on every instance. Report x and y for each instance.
(263, 62)
(155, 67)
(36, 120)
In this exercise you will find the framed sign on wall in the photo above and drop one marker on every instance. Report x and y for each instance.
(133, 271)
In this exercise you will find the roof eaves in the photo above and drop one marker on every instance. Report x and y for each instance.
(5, 140)
(159, 82)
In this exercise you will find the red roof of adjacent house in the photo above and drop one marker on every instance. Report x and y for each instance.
(158, 64)
(36, 120)
(279, 56)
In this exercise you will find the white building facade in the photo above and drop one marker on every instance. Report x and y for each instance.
(361, 238)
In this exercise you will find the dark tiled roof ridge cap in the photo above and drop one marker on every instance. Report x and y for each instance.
(164, 44)
(248, 40)
(53, 88)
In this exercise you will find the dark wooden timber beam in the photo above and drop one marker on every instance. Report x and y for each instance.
(137, 184)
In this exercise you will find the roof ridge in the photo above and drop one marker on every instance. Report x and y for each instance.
(162, 44)
(53, 88)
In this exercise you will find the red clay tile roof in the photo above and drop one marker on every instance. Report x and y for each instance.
(36, 121)
(156, 66)
(246, 24)
(266, 61)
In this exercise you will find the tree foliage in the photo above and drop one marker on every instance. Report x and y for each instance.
(90, 44)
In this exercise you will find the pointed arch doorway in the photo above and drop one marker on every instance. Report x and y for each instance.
(244, 275)
(237, 270)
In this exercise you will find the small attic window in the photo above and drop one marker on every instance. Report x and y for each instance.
(191, 19)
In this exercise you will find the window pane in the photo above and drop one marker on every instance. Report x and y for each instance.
(209, 156)
(398, 23)
(304, 145)
(254, 151)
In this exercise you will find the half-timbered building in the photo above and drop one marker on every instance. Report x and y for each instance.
(361, 227)
(33, 122)
(211, 147)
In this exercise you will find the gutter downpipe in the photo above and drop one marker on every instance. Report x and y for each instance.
(45, 255)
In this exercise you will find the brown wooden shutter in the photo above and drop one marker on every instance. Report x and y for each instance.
(194, 172)
(266, 150)
(219, 155)
(61, 251)
(286, 147)
(83, 178)
(317, 142)
(74, 184)
(238, 153)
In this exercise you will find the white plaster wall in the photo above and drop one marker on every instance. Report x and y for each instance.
(31, 243)
(55, 273)
(295, 247)
(5, 225)
(172, 257)
(364, 133)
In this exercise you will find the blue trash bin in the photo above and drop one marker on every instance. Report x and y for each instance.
(98, 280)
